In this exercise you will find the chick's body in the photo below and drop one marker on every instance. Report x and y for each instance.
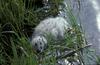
(54, 26)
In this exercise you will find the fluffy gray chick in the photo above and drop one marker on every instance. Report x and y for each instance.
(54, 27)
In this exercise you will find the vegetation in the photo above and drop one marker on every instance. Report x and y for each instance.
(17, 21)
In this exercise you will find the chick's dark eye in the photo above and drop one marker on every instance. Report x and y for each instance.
(41, 47)
(40, 43)
(35, 44)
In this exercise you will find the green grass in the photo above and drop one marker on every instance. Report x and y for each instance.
(16, 25)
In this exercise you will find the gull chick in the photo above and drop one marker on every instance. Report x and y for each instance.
(55, 27)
